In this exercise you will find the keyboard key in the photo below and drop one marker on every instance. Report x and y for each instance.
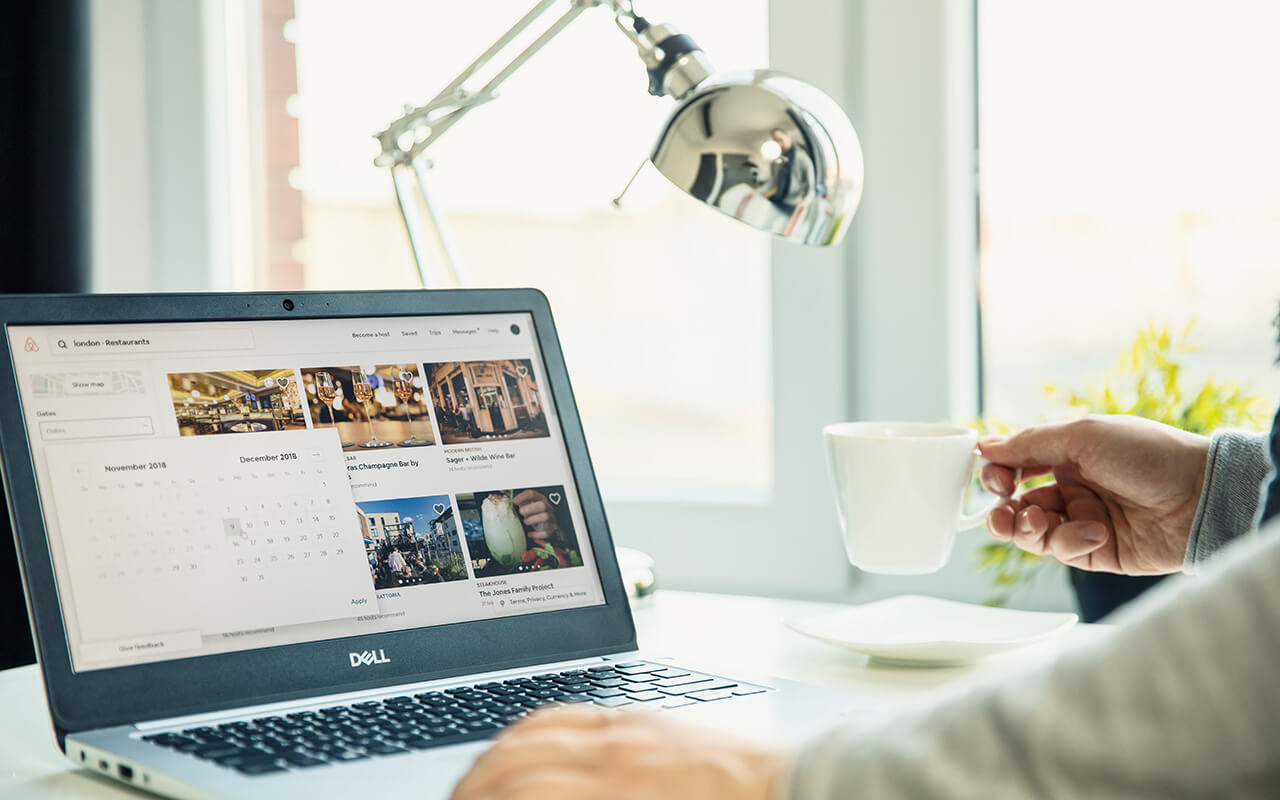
(598, 670)
(669, 673)
(611, 702)
(259, 768)
(715, 684)
(249, 756)
(743, 691)
(632, 664)
(385, 749)
(679, 702)
(708, 696)
(670, 683)
(301, 760)
(646, 697)
(635, 669)
(601, 693)
(609, 683)
(215, 751)
(347, 755)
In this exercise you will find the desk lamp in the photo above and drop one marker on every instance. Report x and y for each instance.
(762, 147)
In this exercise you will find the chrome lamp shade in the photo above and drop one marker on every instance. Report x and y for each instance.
(769, 150)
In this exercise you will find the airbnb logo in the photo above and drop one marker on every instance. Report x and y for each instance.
(31, 346)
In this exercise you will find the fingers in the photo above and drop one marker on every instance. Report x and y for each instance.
(1066, 521)
(538, 521)
(1031, 526)
(1001, 480)
(1075, 542)
(1000, 521)
(528, 496)
(514, 753)
(1003, 521)
(1037, 446)
(565, 717)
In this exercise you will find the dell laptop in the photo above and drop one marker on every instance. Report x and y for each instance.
(293, 543)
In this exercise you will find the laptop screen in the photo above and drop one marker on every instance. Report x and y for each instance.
(215, 487)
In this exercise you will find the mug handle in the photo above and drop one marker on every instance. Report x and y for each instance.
(979, 517)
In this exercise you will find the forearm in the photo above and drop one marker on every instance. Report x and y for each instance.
(1181, 701)
(1236, 474)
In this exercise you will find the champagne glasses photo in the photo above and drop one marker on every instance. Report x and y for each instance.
(402, 388)
(327, 391)
(363, 391)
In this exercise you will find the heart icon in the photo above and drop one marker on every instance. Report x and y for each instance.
(522, 371)
(282, 382)
(439, 507)
(554, 497)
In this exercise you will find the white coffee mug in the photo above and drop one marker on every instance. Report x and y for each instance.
(901, 489)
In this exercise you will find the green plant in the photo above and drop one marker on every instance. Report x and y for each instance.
(1146, 382)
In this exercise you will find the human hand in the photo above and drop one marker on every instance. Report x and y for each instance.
(537, 513)
(1124, 496)
(580, 753)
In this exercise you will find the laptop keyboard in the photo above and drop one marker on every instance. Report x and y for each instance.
(403, 724)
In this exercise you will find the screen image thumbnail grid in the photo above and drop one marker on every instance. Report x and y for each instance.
(370, 406)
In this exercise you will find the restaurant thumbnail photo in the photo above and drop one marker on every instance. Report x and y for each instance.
(412, 541)
(372, 406)
(510, 531)
(481, 401)
(245, 401)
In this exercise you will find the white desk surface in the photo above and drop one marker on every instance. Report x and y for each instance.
(718, 632)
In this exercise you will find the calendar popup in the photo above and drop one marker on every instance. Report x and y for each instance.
(170, 540)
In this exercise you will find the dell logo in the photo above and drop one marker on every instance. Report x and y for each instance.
(366, 657)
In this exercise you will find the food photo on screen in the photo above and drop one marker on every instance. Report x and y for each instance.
(412, 541)
(510, 531)
(244, 401)
(372, 406)
(483, 401)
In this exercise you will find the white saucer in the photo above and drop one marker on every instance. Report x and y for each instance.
(911, 629)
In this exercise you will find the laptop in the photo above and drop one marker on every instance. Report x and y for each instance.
(300, 542)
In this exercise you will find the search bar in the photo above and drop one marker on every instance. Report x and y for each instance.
(135, 341)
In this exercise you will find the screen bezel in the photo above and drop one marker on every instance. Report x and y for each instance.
(121, 695)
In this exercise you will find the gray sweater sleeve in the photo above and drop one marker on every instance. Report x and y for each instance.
(1235, 478)
(1181, 700)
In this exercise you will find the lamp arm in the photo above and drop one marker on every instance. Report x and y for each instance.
(674, 69)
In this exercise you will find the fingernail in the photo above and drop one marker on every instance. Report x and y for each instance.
(1024, 524)
(990, 440)
(1094, 532)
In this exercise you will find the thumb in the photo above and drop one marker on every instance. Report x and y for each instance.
(1037, 446)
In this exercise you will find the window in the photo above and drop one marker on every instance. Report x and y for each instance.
(662, 307)
(706, 358)
(1129, 175)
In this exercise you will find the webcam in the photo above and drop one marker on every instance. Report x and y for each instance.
(288, 305)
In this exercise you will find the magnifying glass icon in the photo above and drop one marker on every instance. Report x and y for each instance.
(62, 344)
